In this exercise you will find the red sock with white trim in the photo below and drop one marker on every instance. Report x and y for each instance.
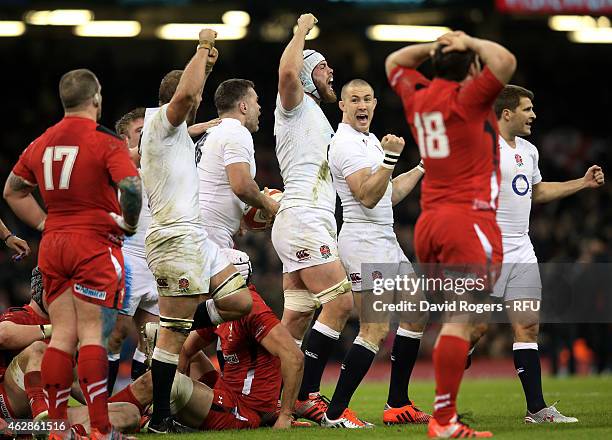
(56, 375)
(449, 359)
(93, 378)
(32, 382)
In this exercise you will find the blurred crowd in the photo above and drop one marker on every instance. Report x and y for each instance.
(569, 138)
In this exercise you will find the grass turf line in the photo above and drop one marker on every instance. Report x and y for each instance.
(496, 405)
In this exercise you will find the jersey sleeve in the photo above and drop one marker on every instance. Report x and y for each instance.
(347, 158)
(289, 114)
(23, 166)
(537, 176)
(118, 162)
(239, 149)
(405, 81)
(481, 92)
(261, 320)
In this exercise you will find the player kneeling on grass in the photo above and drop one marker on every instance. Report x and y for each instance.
(362, 168)
(259, 354)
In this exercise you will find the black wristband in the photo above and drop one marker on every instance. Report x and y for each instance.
(7, 237)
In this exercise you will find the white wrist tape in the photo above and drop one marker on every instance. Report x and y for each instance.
(390, 159)
(421, 167)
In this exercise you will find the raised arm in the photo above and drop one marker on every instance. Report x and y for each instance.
(545, 192)
(279, 343)
(410, 56)
(367, 187)
(498, 59)
(18, 194)
(291, 62)
(193, 78)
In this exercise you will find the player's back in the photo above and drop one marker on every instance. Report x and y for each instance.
(221, 210)
(250, 369)
(75, 164)
(302, 137)
(456, 131)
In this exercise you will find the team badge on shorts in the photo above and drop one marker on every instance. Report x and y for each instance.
(355, 277)
(377, 275)
(302, 255)
(162, 283)
(325, 252)
(183, 284)
(519, 160)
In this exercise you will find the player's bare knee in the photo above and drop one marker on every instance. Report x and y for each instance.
(373, 333)
(235, 306)
(526, 333)
(417, 327)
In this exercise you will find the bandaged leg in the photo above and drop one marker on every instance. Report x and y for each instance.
(179, 325)
(230, 286)
(301, 301)
(334, 291)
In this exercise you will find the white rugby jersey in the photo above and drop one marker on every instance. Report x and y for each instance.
(169, 172)
(135, 245)
(519, 172)
(351, 151)
(221, 210)
(302, 137)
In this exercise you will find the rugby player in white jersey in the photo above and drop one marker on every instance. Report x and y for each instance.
(304, 231)
(186, 265)
(362, 168)
(522, 185)
(140, 301)
(226, 166)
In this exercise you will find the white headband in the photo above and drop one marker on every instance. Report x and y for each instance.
(311, 59)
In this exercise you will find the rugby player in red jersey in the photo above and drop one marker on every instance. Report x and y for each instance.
(78, 166)
(452, 119)
(259, 355)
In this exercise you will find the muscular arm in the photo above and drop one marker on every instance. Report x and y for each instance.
(193, 344)
(279, 343)
(130, 199)
(367, 187)
(410, 56)
(18, 194)
(18, 336)
(246, 189)
(545, 192)
(498, 59)
(404, 184)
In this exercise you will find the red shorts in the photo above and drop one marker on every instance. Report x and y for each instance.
(460, 238)
(6, 412)
(229, 412)
(92, 268)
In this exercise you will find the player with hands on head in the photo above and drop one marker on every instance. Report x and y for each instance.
(77, 166)
(456, 130)
(362, 172)
(188, 267)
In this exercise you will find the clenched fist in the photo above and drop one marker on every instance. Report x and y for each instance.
(594, 177)
(306, 22)
(207, 37)
(392, 143)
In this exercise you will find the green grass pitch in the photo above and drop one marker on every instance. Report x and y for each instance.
(495, 404)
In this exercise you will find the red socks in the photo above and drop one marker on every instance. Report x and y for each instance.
(126, 395)
(34, 390)
(56, 374)
(449, 359)
(93, 374)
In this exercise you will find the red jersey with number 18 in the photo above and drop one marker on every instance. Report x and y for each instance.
(456, 130)
(76, 164)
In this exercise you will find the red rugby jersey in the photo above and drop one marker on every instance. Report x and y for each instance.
(249, 368)
(456, 130)
(76, 165)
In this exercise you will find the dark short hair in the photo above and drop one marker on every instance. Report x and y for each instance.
(121, 126)
(168, 86)
(510, 98)
(76, 87)
(230, 92)
(454, 65)
(357, 82)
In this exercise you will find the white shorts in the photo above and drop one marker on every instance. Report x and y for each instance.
(372, 248)
(304, 237)
(183, 260)
(140, 286)
(520, 275)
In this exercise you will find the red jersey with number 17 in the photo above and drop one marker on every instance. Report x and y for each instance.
(456, 130)
(76, 165)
